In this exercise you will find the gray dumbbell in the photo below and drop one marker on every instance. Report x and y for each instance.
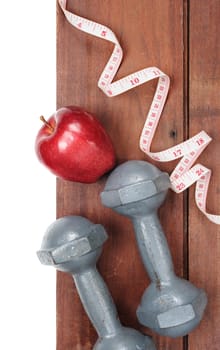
(171, 306)
(73, 244)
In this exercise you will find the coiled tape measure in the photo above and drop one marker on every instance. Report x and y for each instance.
(185, 173)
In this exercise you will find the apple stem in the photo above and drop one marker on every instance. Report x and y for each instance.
(46, 123)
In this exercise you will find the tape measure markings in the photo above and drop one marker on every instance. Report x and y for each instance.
(185, 174)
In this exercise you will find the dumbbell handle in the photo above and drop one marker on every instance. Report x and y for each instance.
(153, 247)
(97, 302)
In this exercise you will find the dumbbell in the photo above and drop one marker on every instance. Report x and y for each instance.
(171, 306)
(73, 244)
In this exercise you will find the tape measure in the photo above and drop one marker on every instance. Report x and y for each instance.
(184, 174)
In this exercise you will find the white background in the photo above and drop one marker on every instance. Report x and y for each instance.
(27, 189)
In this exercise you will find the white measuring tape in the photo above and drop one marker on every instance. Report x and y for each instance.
(185, 174)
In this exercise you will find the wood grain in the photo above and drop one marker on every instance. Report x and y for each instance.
(204, 113)
(151, 33)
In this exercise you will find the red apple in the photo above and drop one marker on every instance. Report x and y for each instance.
(74, 146)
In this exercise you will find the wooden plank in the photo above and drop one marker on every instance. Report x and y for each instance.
(204, 108)
(151, 33)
